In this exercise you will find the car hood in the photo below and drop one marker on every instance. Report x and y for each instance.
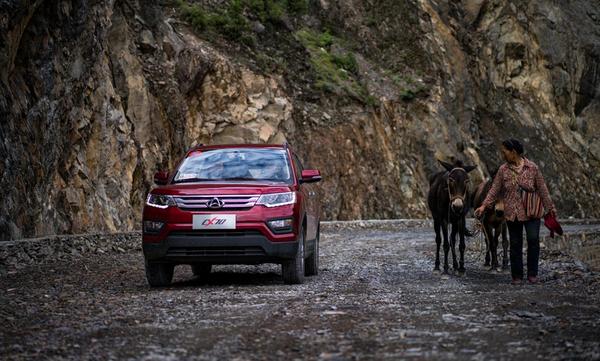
(220, 188)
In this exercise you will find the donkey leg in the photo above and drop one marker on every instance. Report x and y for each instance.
(446, 245)
(453, 244)
(504, 246)
(461, 248)
(489, 239)
(486, 232)
(495, 248)
(438, 242)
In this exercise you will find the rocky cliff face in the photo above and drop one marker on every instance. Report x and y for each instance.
(96, 96)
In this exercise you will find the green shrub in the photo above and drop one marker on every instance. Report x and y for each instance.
(235, 21)
(193, 14)
(248, 40)
(407, 94)
(256, 6)
(312, 39)
(334, 72)
(231, 20)
(266, 10)
(347, 62)
(325, 39)
(325, 86)
(275, 11)
(371, 100)
(297, 6)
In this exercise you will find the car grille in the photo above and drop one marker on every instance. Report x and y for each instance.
(213, 233)
(229, 202)
(215, 251)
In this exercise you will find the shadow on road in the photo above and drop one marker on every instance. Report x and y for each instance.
(227, 278)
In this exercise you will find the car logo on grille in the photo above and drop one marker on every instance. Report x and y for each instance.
(215, 203)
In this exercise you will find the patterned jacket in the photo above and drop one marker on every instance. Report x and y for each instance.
(507, 183)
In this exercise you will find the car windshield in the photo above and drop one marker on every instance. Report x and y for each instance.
(235, 164)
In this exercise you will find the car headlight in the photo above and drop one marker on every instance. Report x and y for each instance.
(277, 199)
(160, 201)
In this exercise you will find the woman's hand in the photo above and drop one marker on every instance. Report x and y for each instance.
(552, 212)
(479, 211)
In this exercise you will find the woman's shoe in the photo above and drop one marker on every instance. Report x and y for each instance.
(517, 281)
(532, 279)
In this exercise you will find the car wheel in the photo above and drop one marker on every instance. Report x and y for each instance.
(312, 262)
(201, 269)
(159, 274)
(293, 270)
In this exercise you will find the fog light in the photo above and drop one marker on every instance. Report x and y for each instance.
(280, 225)
(153, 226)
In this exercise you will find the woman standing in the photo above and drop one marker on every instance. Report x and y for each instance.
(519, 174)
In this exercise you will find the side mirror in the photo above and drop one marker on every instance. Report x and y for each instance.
(161, 177)
(310, 176)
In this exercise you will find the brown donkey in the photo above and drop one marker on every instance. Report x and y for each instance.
(449, 202)
(494, 223)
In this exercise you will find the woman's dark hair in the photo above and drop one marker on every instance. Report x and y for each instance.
(513, 144)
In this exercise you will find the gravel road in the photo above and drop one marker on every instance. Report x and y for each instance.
(375, 298)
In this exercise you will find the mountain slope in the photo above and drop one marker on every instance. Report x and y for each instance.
(94, 97)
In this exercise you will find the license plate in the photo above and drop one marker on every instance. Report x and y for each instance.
(213, 221)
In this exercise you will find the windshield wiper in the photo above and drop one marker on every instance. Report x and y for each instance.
(238, 178)
(188, 180)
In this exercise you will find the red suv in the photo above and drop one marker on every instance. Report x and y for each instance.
(233, 204)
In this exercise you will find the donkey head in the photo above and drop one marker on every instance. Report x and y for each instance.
(499, 207)
(458, 184)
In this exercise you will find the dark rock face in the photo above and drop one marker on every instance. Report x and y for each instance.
(96, 96)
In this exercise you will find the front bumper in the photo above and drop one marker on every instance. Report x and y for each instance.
(219, 247)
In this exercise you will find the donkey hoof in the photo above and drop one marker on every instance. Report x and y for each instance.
(499, 269)
(445, 276)
(436, 271)
(461, 272)
(486, 264)
(492, 270)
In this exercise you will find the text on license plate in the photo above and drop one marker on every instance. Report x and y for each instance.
(213, 221)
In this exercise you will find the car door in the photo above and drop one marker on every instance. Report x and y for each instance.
(309, 194)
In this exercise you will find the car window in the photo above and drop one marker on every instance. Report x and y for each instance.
(235, 164)
(298, 165)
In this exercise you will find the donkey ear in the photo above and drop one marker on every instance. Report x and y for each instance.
(448, 166)
(469, 168)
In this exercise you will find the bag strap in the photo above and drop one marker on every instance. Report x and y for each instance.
(516, 181)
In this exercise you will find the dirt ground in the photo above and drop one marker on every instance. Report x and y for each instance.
(376, 297)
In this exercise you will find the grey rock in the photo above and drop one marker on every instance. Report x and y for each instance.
(258, 27)
(147, 43)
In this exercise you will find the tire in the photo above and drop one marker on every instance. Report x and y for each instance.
(293, 270)
(311, 266)
(159, 274)
(201, 269)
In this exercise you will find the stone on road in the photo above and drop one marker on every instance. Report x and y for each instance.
(376, 297)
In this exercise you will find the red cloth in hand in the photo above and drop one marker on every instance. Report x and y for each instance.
(552, 224)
